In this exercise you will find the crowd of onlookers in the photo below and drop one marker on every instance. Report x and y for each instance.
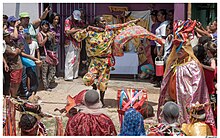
(163, 27)
(30, 57)
(37, 45)
(24, 52)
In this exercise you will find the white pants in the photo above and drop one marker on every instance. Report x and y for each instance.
(71, 62)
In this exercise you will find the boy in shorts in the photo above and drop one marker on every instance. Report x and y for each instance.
(12, 57)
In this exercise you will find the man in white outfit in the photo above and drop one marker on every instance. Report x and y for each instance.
(73, 24)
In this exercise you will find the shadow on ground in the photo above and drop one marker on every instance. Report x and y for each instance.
(112, 103)
(52, 85)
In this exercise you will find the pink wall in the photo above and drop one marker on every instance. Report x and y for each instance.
(180, 11)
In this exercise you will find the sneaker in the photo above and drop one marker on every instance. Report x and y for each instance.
(52, 81)
(28, 94)
(48, 89)
(25, 95)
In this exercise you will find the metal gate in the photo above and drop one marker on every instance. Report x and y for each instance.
(65, 10)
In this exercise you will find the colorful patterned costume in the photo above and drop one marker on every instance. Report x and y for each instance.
(184, 82)
(197, 125)
(92, 125)
(99, 49)
(101, 45)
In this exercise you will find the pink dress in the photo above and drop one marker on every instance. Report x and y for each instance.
(190, 88)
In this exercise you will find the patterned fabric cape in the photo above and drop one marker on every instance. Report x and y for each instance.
(83, 124)
(130, 33)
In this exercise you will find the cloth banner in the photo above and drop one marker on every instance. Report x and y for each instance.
(130, 33)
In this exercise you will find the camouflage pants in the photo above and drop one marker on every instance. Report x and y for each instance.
(98, 67)
(48, 73)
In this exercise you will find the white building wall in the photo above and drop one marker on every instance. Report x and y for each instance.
(13, 9)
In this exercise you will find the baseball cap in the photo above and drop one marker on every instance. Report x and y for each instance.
(76, 15)
(154, 12)
(24, 14)
(12, 19)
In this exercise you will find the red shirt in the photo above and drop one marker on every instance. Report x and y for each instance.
(70, 24)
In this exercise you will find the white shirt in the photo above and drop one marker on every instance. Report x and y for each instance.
(161, 31)
(33, 46)
(167, 46)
